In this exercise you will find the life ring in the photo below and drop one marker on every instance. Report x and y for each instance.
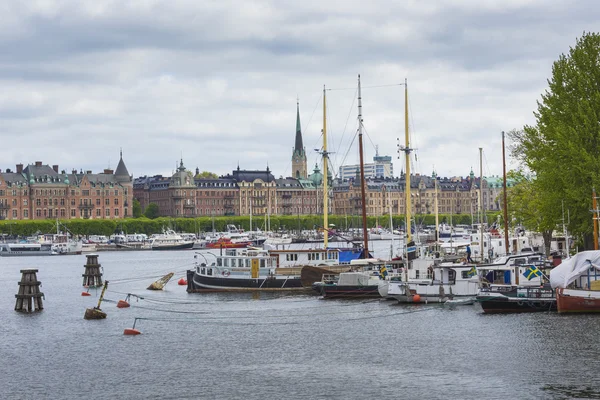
(225, 273)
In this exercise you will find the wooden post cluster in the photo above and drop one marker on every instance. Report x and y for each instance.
(92, 276)
(29, 298)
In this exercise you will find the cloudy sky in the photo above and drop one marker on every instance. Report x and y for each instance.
(216, 82)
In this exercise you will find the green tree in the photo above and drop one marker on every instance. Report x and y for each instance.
(151, 211)
(206, 174)
(137, 209)
(563, 149)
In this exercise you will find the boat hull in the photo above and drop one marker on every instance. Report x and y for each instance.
(201, 284)
(578, 301)
(181, 246)
(333, 291)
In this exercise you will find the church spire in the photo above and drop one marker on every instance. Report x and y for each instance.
(299, 154)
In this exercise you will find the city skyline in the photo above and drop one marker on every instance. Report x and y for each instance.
(217, 83)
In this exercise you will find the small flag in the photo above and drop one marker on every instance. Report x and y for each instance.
(472, 272)
(532, 272)
(383, 272)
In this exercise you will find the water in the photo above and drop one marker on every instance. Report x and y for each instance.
(274, 346)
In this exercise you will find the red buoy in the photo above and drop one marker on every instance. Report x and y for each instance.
(122, 304)
(131, 331)
(182, 282)
(85, 294)
(416, 298)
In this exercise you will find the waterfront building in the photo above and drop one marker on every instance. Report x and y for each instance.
(39, 191)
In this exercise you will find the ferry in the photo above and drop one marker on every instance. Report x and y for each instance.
(26, 249)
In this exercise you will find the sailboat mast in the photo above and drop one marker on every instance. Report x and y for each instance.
(362, 176)
(595, 211)
(505, 205)
(325, 175)
(407, 150)
(435, 205)
(481, 203)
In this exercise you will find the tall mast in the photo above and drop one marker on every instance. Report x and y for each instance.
(362, 176)
(505, 206)
(481, 203)
(595, 211)
(407, 151)
(325, 174)
(435, 204)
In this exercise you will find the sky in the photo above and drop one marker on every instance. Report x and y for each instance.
(216, 83)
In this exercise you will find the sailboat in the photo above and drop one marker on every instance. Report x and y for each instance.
(362, 281)
(426, 277)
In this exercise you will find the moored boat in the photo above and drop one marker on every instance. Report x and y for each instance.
(25, 249)
(577, 283)
(515, 284)
(169, 240)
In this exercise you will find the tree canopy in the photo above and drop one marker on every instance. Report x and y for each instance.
(563, 148)
(206, 174)
(151, 211)
(136, 209)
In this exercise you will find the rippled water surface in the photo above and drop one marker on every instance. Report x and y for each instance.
(274, 346)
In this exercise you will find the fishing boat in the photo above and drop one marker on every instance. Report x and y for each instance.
(25, 249)
(515, 284)
(577, 283)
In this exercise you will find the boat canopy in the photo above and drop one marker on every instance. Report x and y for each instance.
(353, 279)
(572, 268)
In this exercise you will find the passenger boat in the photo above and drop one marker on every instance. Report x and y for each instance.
(505, 289)
(277, 269)
(577, 283)
(25, 249)
(169, 240)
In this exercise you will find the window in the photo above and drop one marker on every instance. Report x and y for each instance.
(38, 202)
(25, 213)
(98, 212)
(14, 213)
(116, 202)
(107, 212)
(63, 212)
(107, 202)
(97, 202)
(116, 212)
(24, 202)
(38, 212)
(116, 192)
(72, 213)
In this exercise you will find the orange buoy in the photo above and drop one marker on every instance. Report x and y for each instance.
(122, 304)
(85, 294)
(182, 282)
(416, 298)
(131, 331)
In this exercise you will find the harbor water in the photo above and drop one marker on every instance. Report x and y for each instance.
(274, 345)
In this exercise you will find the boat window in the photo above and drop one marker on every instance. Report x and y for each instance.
(262, 263)
(247, 263)
(219, 262)
(417, 274)
(452, 276)
(520, 261)
(203, 271)
(241, 263)
(210, 271)
(226, 262)
(464, 274)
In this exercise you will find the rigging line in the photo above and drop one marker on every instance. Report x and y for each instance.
(348, 118)
(369, 87)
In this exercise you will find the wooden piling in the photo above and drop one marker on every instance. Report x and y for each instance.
(92, 276)
(29, 298)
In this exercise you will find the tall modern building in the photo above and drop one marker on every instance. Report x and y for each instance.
(381, 167)
(299, 155)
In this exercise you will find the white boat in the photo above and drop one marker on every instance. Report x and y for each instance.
(25, 249)
(169, 240)
(464, 301)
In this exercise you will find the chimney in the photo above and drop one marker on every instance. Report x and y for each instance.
(88, 171)
(73, 171)
(55, 168)
(108, 171)
(19, 168)
(38, 163)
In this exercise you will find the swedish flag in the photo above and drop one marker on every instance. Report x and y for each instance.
(383, 272)
(472, 272)
(532, 272)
